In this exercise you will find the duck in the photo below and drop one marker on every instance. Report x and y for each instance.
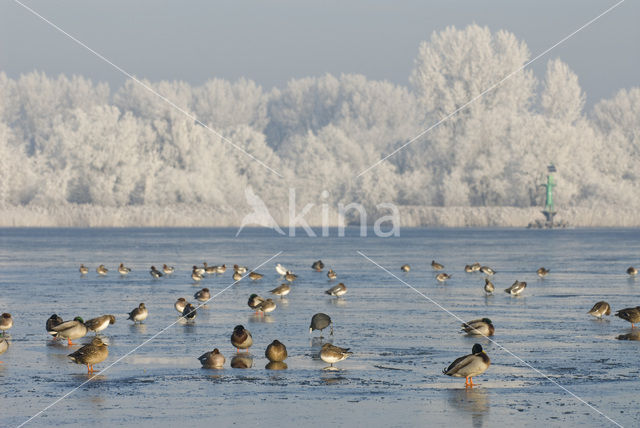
(290, 276)
(189, 312)
(405, 268)
(199, 270)
(468, 268)
(442, 277)
(480, 327)
(6, 322)
(542, 272)
(180, 304)
(476, 267)
(632, 271)
(630, 314)
(320, 321)
(276, 352)
(436, 266)
(331, 274)
(282, 271)
(317, 266)
(600, 309)
(54, 320)
(516, 288)
(221, 269)
(487, 270)
(74, 329)
(155, 273)
(266, 306)
(254, 301)
(102, 270)
(237, 276)
(212, 360)
(332, 354)
(470, 365)
(93, 353)
(83, 270)
(195, 275)
(100, 323)
(168, 270)
(139, 314)
(203, 295)
(241, 338)
(123, 270)
(281, 290)
(254, 276)
(240, 269)
(209, 270)
(338, 290)
(488, 285)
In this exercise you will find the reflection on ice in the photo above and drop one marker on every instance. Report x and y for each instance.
(471, 401)
(242, 362)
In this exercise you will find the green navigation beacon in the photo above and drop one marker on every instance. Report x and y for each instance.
(549, 209)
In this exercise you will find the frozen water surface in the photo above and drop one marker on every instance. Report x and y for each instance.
(401, 341)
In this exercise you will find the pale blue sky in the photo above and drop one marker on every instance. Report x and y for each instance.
(272, 42)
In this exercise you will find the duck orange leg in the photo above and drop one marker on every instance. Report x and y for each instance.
(470, 381)
(69, 342)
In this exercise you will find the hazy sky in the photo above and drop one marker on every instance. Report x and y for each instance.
(272, 42)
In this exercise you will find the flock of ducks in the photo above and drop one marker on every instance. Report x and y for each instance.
(467, 366)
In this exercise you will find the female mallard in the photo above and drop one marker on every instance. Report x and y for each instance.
(331, 274)
(93, 353)
(254, 301)
(237, 276)
(481, 327)
(266, 306)
(320, 321)
(442, 277)
(255, 276)
(436, 266)
(488, 285)
(83, 270)
(542, 272)
(276, 352)
(203, 295)
(54, 320)
(100, 323)
(317, 266)
(282, 290)
(212, 360)
(139, 314)
(123, 270)
(405, 268)
(338, 290)
(155, 273)
(516, 288)
(600, 309)
(189, 313)
(332, 354)
(630, 314)
(168, 270)
(180, 304)
(70, 330)
(470, 365)
(241, 338)
(6, 322)
(102, 270)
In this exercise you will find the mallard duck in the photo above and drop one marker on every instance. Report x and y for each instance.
(468, 268)
(516, 288)
(6, 322)
(442, 277)
(276, 352)
(481, 327)
(123, 270)
(212, 360)
(282, 290)
(317, 266)
(53, 321)
(155, 273)
(436, 266)
(266, 306)
(254, 301)
(139, 314)
(542, 272)
(281, 269)
(203, 295)
(470, 365)
(254, 276)
(102, 270)
(237, 276)
(100, 323)
(189, 312)
(195, 275)
(331, 274)
(488, 285)
(240, 269)
(290, 276)
(221, 269)
(332, 354)
(209, 270)
(168, 270)
(83, 270)
(630, 314)
(487, 270)
(338, 290)
(600, 309)
(70, 330)
(180, 304)
(320, 321)
(241, 338)
(632, 271)
(199, 270)
(475, 267)
(405, 268)
(93, 353)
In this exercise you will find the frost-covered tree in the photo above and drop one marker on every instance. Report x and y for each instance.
(562, 98)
